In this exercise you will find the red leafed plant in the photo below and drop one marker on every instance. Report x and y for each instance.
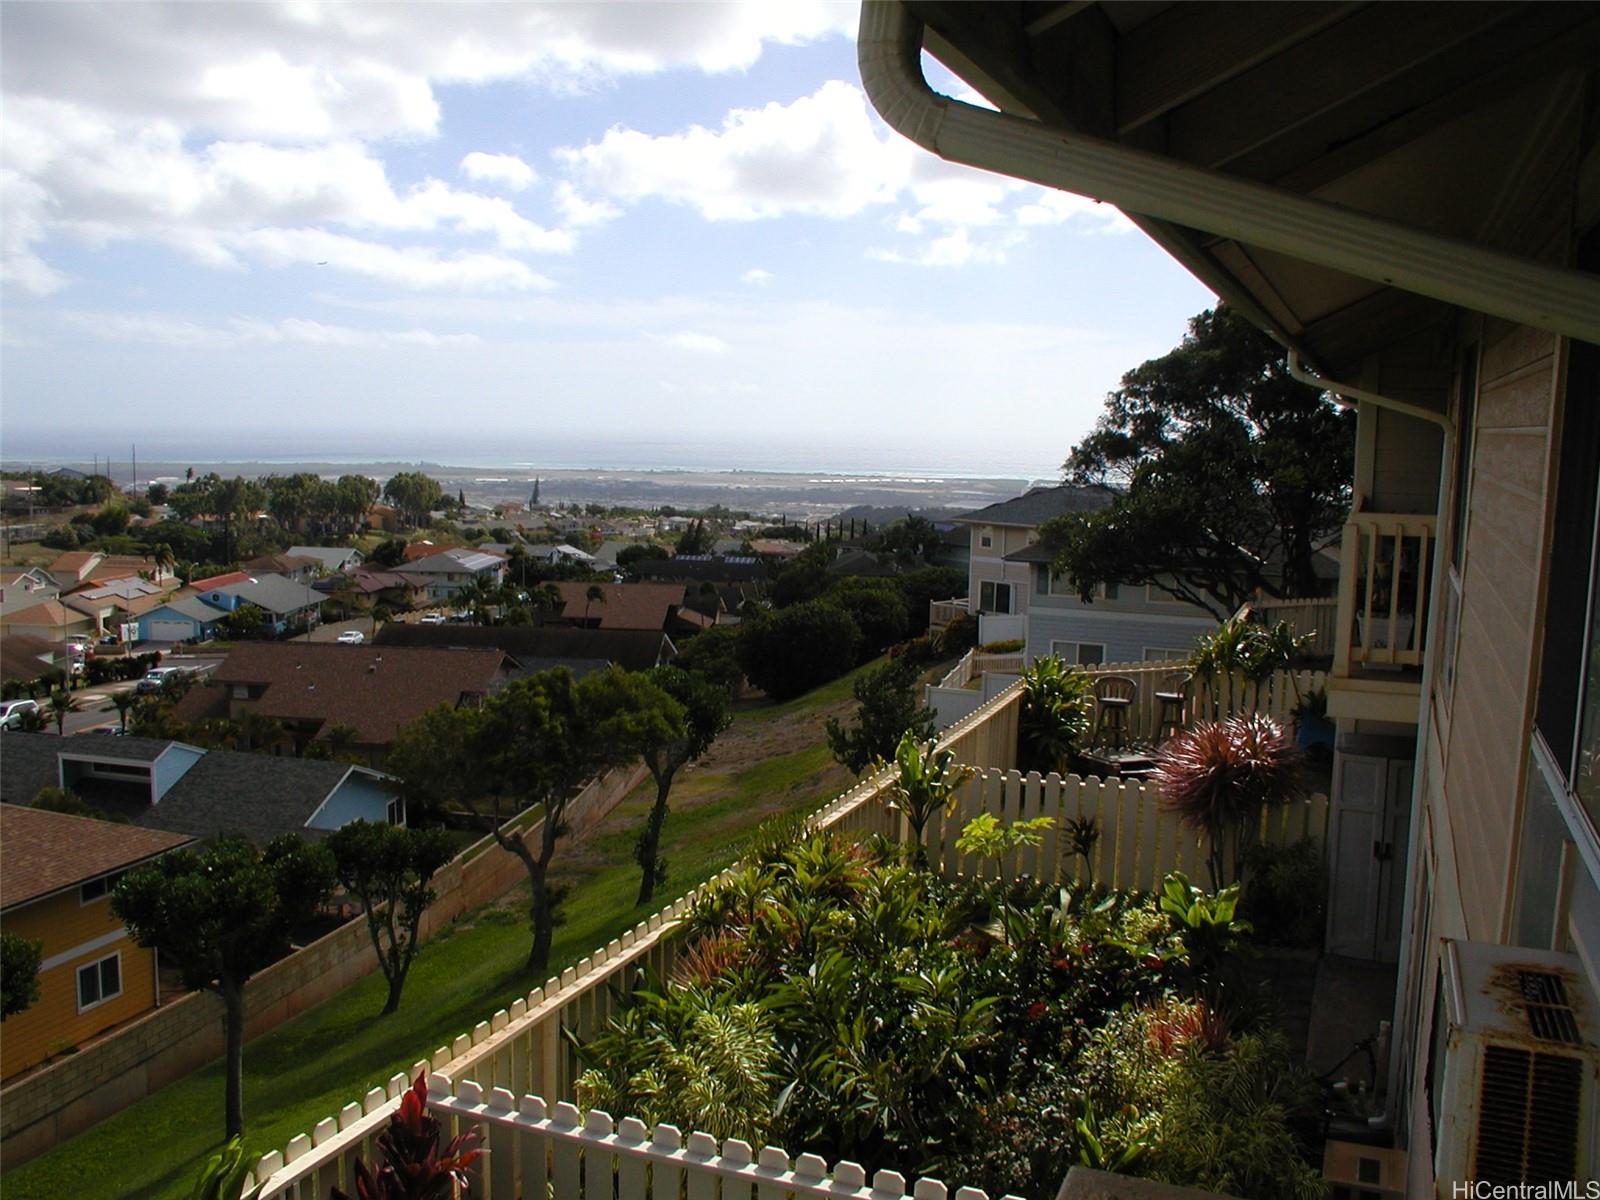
(1218, 776)
(413, 1167)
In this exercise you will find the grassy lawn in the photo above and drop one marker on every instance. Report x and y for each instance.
(309, 1067)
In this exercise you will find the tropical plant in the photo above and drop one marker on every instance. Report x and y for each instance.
(19, 972)
(888, 710)
(1081, 835)
(926, 781)
(1240, 648)
(704, 715)
(1056, 713)
(223, 1175)
(62, 703)
(1208, 925)
(986, 837)
(414, 1167)
(1218, 777)
(593, 594)
(124, 702)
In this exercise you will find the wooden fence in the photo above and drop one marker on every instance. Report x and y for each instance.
(1210, 699)
(1138, 842)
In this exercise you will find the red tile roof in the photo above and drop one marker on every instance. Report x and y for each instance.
(626, 606)
(373, 689)
(418, 550)
(43, 852)
(213, 581)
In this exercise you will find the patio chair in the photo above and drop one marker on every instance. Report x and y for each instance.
(1173, 698)
(1113, 695)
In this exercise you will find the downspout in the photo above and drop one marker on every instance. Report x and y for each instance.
(1405, 980)
(889, 47)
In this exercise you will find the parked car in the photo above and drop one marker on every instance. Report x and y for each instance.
(157, 678)
(12, 712)
(431, 618)
(351, 637)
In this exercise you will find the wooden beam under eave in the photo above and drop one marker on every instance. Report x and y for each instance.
(1372, 48)
(1193, 47)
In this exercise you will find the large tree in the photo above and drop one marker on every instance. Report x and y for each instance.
(390, 869)
(415, 495)
(220, 915)
(534, 743)
(1230, 474)
(888, 710)
(704, 715)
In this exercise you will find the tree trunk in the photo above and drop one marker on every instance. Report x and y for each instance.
(396, 982)
(650, 839)
(233, 1004)
(541, 916)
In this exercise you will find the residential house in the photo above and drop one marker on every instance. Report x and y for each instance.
(217, 581)
(23, 587)
(315, 689)
(424, 548)
(534, 648)
(155, 783)
(383, 517)
(367, 587)
(184, 619)
(286, 606)
(1405, 196)
(648, 606)
(606, 556)
(332, 560)
(24, 657)
(50, 621)
(1011, 586)
(451, 572)
(75, 569)
(301, 568)
(561, 552)
(56, 873)
(703, 568)
(117, 603)
(776, 549)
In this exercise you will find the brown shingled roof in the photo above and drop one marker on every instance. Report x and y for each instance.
(373, 689)
(626, 606)
(43, 852)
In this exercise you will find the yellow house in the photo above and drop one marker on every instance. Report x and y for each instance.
(56, 873)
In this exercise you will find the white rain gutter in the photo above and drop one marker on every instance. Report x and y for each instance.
(889, 48)
(1345, 396)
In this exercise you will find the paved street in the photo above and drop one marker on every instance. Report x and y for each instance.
(94, 704)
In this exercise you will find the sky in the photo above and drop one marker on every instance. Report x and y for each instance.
(529, 232)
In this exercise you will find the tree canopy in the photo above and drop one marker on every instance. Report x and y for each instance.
(682, 737)
(415, 495)
(221, 914)
(889, 710)
(1230, 473)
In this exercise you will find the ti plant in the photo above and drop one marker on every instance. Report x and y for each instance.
(1082, 836)
(223, 1176)
(927, 781)
(1095, 1152)
(414, 1168)
(1208, 925)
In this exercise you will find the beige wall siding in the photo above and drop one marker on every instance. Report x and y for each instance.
(1405, 468)
(987, 564)
(1487, 730)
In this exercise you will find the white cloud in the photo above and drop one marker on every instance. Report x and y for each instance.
(759, 276)
(162, 329)
(578, 212)
(821, 155)
(507, 170)
(955, 249)
(414, 267)
(698, 343)
(1055, 208)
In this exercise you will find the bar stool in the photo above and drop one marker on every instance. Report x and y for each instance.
(1113, 696)
(1173, 697)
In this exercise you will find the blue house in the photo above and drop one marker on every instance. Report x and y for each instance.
(188, 619)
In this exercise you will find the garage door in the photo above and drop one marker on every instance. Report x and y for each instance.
(168, 631)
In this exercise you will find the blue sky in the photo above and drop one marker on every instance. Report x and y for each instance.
(475, 233)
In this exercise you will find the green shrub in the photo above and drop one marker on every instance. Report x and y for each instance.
(1286, 893)
(960, 635)
(1057, 709)
(789, 652)
(1004, 646)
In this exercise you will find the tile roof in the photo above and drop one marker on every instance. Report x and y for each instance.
(635, 649)
(216, 581)
(46, 612)
(23, 656)
(416, 550)
(374, 689)
(1038, 505)
(44, 852)
(194, 608)
(626, 606)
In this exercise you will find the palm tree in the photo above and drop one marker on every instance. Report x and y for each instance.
(61, 703)
(124, 701)
(546, 599)
(595, 594)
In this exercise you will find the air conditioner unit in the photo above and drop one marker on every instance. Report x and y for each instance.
(1519, 1094)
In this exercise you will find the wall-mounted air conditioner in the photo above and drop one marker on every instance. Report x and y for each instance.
(1519, 1081)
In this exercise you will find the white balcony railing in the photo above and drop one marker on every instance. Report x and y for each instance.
(1385, 564)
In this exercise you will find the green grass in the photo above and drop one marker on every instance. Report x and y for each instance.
(309, 1067)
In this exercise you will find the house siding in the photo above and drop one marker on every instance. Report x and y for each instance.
(53, 1023)
(987, 565)
(171, 767)
(357, 798)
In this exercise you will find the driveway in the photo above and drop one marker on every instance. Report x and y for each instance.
(331, 631)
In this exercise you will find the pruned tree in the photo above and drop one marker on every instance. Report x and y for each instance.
(390, 870)
(221, 914)
(1229, 474)
(536, 742)
(704, 715)
(415, 495)
(19, 973)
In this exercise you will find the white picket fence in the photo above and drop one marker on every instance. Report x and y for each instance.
(1139, 841)
(541, 1150)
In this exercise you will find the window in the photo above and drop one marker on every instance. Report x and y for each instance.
(994, 597)
(96, 888)
(1054, 583)
(1156, 596)
(1081, 654)
(985, 537)
(99, 981)
(396, 811)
